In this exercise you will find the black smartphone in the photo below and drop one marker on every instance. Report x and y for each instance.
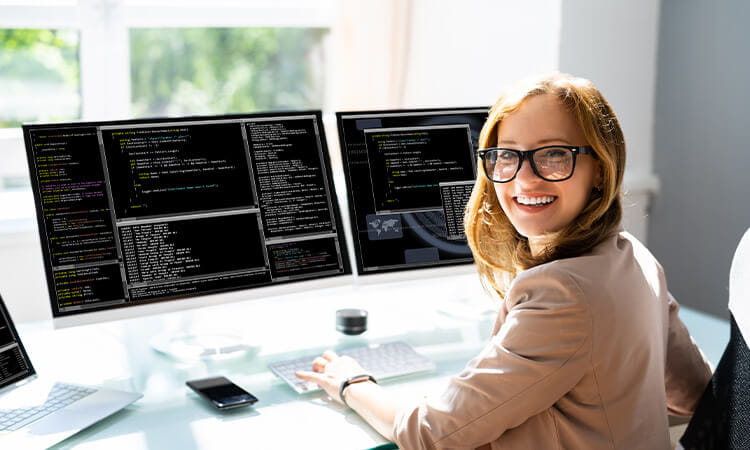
(221, 392)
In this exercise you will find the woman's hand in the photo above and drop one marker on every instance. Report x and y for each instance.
(368, 399)
(330, 370)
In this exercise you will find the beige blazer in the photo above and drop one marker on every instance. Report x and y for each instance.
(586, 353)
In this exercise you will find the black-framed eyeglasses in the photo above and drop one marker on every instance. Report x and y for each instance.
(550, 163)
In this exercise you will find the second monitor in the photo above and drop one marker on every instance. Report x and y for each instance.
(409, 174)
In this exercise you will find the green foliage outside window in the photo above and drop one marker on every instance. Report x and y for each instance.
(198, 71)
(39, 76)
(174, 71)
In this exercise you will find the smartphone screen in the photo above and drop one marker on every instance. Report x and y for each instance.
(221, 392)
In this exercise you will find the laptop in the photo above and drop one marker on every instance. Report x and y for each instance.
(36, 413)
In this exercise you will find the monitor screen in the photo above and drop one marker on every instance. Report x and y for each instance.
(142, 211)
(409, 174)
(15, 365)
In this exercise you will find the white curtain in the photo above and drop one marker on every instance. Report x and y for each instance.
(372, 40)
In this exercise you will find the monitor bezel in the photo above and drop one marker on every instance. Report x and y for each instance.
(194, 303)
(182, 302)
(395, 273)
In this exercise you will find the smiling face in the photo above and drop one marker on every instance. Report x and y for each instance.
(534, 206)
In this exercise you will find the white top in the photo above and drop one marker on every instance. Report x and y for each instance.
(739, 285)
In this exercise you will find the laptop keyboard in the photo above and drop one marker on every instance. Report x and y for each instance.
(382, 361)
(60, 396)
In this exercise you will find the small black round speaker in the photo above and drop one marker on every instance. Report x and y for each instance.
(351, 321)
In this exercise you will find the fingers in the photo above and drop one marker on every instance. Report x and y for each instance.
(330, 355)
(310, 376)
(324, 381)
(319, 364)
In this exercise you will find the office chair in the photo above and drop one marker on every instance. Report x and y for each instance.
(722, 417)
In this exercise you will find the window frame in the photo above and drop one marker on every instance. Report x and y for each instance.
(104, 25)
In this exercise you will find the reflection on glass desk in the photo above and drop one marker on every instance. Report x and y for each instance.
(119, 355)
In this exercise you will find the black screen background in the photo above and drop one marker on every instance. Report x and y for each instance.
(219, 189)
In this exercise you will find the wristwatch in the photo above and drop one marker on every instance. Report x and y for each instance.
(351, 380)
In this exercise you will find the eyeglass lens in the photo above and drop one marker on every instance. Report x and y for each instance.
(553, 163)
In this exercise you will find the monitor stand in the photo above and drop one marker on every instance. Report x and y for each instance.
(201, 346)
(183, 343)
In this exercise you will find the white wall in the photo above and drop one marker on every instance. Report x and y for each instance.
(615, 44)
(419, 53)
(466, 53)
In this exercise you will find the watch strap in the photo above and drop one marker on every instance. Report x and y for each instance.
(352, 380)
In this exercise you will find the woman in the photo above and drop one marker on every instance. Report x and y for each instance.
(587, 350)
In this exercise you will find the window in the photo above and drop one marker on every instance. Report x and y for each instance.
(186, 71)
(39, 73)
(63, 60)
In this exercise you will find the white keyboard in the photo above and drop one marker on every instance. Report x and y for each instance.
(60, 396)
(382, 361)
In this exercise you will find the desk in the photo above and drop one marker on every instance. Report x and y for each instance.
(118, 355)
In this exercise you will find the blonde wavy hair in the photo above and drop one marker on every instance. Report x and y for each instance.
(500, 252)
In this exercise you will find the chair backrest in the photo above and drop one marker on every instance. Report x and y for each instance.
(722, 417)
(739, 285)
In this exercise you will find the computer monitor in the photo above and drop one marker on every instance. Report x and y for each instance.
(409, 174)
(168, 212)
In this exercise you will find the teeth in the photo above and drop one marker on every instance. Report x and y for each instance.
(534, 201)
